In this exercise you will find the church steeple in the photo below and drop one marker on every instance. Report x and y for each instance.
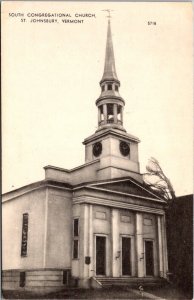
(115, 149)
(110, 104)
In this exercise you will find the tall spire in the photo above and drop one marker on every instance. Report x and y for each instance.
(110, 104)
(109, 66)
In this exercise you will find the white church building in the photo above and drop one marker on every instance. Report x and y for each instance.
(92, 226)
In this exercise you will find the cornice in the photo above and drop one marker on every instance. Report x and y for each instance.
(117, 204)
(34, 187)
(113, 132)
(110, 98)
(126, 194)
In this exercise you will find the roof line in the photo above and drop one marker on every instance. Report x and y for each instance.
(73, 169)
(37, 185)
(131, 181)
(146, 190)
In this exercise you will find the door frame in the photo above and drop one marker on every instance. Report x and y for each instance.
(132, 255)
(106, 252)
(153, 241)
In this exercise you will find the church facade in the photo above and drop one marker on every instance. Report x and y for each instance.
(92, 226)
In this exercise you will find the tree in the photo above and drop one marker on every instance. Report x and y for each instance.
(157, 180)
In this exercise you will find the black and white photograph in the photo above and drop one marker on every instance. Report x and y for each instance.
(97, 150)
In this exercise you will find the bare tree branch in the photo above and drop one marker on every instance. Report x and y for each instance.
(158, 181)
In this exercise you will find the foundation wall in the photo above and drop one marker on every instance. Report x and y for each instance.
(44, 280)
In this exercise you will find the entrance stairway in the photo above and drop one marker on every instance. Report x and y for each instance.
(132, 282)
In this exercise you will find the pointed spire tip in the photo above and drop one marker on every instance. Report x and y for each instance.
(109, 66)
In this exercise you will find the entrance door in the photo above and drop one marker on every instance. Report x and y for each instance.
(126, 256)
(149, 258)
(100, 255)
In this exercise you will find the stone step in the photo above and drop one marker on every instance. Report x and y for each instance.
(143, 279)
(131, 284)
(130, 281)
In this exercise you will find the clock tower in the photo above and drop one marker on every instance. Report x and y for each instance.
(111, 144)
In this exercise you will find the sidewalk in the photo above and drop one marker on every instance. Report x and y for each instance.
(108, 293)
(169, 292)
(146, 295)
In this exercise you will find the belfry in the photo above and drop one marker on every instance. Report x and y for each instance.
(95, 225)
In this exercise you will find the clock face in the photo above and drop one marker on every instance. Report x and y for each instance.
(97, 149)
(124, 148)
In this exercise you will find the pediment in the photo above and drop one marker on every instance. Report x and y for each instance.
(127, 186)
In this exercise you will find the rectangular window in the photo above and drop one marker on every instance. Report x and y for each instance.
(76, 238)
(22, 279)
(24, 235)
(75, 249)
(76, 227)
(116, 88)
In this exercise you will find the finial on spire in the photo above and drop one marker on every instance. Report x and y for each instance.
(108, 10)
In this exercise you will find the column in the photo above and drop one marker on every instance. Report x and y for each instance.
(139, 245)
(105, 113)
(116, 255)
(160, 247)
(99, 116)
(121, 115)
(115, 112)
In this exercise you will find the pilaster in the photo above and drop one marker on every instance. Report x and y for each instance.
(85, 242)
(115, 243)
(139, 245)
(160, 247)
(90, 238)
(45, 228)
(164, 242)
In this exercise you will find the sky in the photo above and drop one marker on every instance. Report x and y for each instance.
(50, 82)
